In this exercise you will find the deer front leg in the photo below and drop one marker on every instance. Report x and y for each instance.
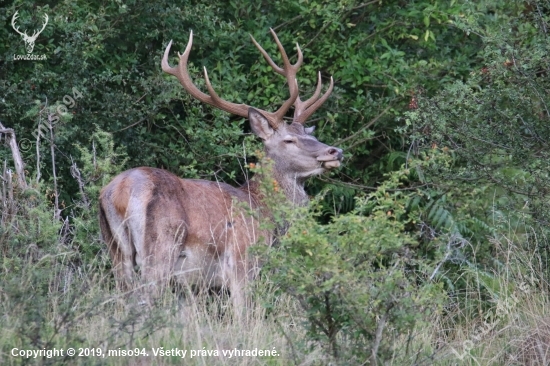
(234, 274)
(242, 273)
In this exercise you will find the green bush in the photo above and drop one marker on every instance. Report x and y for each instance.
(358, 279)
(492, 131)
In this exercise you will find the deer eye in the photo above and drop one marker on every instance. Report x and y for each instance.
(289, 141)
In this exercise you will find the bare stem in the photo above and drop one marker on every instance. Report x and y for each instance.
(56, 212)
(75, 172)
(378, 335)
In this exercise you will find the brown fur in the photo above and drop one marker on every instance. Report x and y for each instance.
(181, 216)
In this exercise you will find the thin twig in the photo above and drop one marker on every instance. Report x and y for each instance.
(349, 147)
(373, 121)
(366, 4)
(5, 202)
(94, 155)
(373, 34)
(132, 125)
(288, 22)
(75, 172)
(140, 98)
(56, 212)
(378, 335)
(38, 156)
(360, 186)
(317, 35)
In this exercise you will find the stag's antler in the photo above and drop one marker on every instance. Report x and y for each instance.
(288, 71)
(303, 110)
(24, 34)
(15, 16)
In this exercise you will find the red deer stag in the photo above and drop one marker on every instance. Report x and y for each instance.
(197, 232)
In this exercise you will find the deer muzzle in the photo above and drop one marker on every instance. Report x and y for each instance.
(332, 158)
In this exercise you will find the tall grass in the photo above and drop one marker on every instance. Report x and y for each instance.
(502, 317)
(54, 305)
(51, 300)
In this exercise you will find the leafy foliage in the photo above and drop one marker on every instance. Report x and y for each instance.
(491, 131)
(357, 278)
(110, 53)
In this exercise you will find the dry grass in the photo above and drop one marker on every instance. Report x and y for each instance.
(81, 312)
(513, 330)
(533, 348)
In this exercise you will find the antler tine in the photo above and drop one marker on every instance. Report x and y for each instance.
(15, 16)
(182, 74)
(286, 62)
(303, 110)
(300, 106)
(217, 100)
(46, 18)
(288, 71)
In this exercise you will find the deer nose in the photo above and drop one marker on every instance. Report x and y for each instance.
(336, 152)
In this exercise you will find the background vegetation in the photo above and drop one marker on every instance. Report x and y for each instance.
(428, 246)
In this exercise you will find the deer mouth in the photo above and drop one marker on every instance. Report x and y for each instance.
(332, 164)
(329, 161)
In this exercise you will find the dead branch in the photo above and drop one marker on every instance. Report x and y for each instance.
(75, 172)
(17, 160)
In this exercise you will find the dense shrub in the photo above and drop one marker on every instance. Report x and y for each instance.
(484, 141)
(360, 278)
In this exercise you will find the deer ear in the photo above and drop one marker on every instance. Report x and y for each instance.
(259, 124)
(309, 130)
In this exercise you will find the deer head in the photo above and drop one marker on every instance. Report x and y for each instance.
(296, 153)
(29, 40)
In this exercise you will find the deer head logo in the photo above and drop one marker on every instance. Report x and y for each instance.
(29, 40)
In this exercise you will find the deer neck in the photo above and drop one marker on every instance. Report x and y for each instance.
(272, 178)
(291, 186)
